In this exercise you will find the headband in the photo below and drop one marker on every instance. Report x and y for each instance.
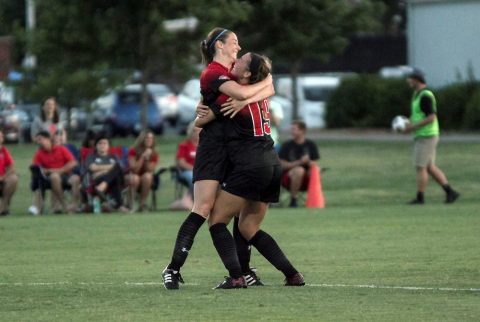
(255, 63)
(216, 38)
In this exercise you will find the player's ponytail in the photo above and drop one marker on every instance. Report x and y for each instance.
(207, 46)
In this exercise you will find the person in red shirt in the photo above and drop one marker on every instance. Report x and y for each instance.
(185, 160)
(54, 165)
(8, 178)
(186, 153)
(142, 160)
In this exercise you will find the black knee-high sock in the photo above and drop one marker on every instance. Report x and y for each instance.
(225, 245)
(269, 248)
(243, 248)
(447, 188)
(186, 235)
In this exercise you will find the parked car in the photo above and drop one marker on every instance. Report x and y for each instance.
(313, 93)
(15, 123)
(395, 71)
(164, 97)
(125, 114)
(187, 104)
(101, 109)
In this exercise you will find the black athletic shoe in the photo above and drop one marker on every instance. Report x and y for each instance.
(452, 196)
(293, 203)
(295, 280)
(416, 202)
(171, 279)
(230, 283)
(252, 279)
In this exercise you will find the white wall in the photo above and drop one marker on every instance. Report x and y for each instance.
(444, 39)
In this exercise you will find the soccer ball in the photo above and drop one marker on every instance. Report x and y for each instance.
(399, 123)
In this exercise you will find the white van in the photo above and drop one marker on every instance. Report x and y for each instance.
(313, 93)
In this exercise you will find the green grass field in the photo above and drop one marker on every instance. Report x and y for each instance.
(366, 257)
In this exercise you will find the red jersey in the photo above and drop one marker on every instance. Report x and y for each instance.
(252, 122)
(210, 81)
(187, 151)
(5, 160)
(153, 158)
(56, 158)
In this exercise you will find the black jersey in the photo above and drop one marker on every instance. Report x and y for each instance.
(249, 144)
(291, 151)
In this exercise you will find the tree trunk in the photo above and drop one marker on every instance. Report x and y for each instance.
(144, 108)
(294, 70)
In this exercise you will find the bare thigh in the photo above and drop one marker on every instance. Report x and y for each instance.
(204, 192)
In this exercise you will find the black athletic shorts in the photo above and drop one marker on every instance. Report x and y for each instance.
(210, 162)
(258, 184)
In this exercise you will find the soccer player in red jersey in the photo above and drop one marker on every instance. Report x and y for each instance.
(252, 182)
(219, 52)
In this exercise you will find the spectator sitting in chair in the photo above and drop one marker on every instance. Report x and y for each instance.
(142, 161)
(185, 159)
(52, 167)
(106, 172)
(296, 156)
(8, 178)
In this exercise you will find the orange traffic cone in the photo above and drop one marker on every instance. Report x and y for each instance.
(314, 193)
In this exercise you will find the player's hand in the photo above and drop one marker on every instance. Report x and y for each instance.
(202, 110)
(232, 107)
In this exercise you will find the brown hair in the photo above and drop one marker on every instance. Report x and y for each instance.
(300, 124)
(260, 66)
(207, 46)
(56, 117)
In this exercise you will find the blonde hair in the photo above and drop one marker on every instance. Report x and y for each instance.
(139, 145)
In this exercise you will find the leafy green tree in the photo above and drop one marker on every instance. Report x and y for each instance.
(78, 44)
(294, 31)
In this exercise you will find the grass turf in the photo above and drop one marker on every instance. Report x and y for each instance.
(99, 268)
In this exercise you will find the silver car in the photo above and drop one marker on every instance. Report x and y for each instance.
(187, 104)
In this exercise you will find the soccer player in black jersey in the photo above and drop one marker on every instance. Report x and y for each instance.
(219, 53)
(252, 182)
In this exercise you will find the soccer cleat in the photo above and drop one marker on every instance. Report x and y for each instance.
(230, 283)
(171, 279)
(252, 279)
(416, 202)
(452, 196)
(295, 280)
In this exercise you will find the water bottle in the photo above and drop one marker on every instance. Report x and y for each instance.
(97, 207)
